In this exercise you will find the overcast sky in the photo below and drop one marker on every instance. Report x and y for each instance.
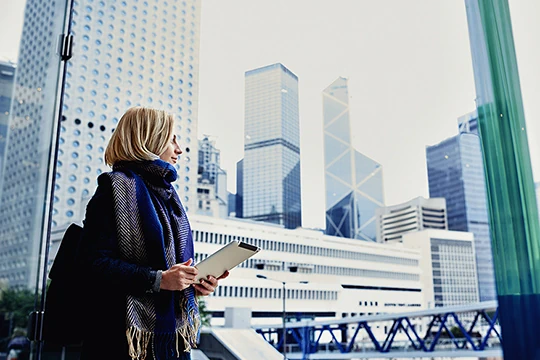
(408, 64)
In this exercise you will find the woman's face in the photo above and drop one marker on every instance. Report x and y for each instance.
(172, 151)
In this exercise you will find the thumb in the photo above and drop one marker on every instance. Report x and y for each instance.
(188, 263)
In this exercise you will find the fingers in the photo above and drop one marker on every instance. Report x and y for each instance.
(225, 274)
(201, 290)
(187, 263)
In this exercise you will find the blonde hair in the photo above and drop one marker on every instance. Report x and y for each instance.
(142, 134)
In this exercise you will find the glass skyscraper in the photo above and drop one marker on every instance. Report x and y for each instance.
(456, 172)
(271, 165)
(126, 53)
(354, 182)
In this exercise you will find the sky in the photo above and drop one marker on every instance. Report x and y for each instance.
(408, 64)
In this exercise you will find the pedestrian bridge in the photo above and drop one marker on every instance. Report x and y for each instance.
(459, 331)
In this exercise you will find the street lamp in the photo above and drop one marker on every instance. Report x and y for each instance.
(284, 313)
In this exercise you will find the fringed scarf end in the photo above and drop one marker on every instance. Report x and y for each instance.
(189, 331)
(138, 341)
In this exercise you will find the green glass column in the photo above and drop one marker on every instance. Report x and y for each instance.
(511, 197)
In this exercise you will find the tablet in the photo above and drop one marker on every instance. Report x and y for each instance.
(225, 259)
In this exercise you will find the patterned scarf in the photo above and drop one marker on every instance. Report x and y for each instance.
(143, 200)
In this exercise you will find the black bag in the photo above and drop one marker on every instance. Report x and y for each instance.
(63, 318)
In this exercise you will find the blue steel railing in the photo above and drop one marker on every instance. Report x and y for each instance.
(477, 330)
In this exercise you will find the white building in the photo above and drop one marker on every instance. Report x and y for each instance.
(345, 277)
(415, 215)
(124, 55)
(128, 57)
(207, 203)
(448, 266)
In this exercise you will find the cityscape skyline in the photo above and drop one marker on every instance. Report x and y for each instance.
(446, 55)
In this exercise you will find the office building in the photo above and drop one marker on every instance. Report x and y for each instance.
(212, 195)
(456, 173)
(448, 266)
(271, 164)
(124, 55)
(415, 215)
(231, 203)
(354, 182)
(7, 79)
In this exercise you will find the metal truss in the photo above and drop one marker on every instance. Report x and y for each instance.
(467, 329)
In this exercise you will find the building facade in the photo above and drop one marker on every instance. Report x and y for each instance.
(271, 164)
(353, 181)
(344, 276)
(415, 215)
(123, 56)
(26, 177)
(448, 264)
(7, 80)
(212, 195)
(456, 173)
(326, 277)
(239, 198)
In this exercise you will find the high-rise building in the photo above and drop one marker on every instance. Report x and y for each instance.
(456, 173)
(231, 203)
(354, 182)
(212, 196)
(239, 189)
(26, 177)
(448, 266)
(271, 166)
(124, 56)
(415, 215)
(468, 123)
(7, 79)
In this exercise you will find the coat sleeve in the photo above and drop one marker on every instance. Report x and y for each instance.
(105, 268)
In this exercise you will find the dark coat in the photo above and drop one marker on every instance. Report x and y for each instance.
(110, 279)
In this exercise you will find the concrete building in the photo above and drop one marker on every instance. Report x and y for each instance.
(448, 266)
(415, 215)
(212, 195)
(7, 80)
(124, 55)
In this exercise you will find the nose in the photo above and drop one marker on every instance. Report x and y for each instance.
(178, 150)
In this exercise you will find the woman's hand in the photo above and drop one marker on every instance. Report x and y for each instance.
(208, 286)
(179, 276)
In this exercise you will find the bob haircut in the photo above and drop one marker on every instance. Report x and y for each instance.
(142, 134)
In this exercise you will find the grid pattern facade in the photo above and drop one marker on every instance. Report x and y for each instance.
(454, 272)
(7, 78)
(271, 164)
(415, 215)
(24, 183)
(354, 182)
(127, 53)
(456, 172)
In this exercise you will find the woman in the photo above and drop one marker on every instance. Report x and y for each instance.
(139, 248)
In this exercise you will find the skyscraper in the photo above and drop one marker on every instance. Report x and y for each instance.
(7, 78)
(456, 172)
(211, 177)
(125, 54)
(354, 182)
(25, 182)
(271, 165)
(239, 198)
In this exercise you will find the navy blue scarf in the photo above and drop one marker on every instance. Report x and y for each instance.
(153, 230)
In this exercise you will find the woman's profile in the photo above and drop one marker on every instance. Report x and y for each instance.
(139, 249)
